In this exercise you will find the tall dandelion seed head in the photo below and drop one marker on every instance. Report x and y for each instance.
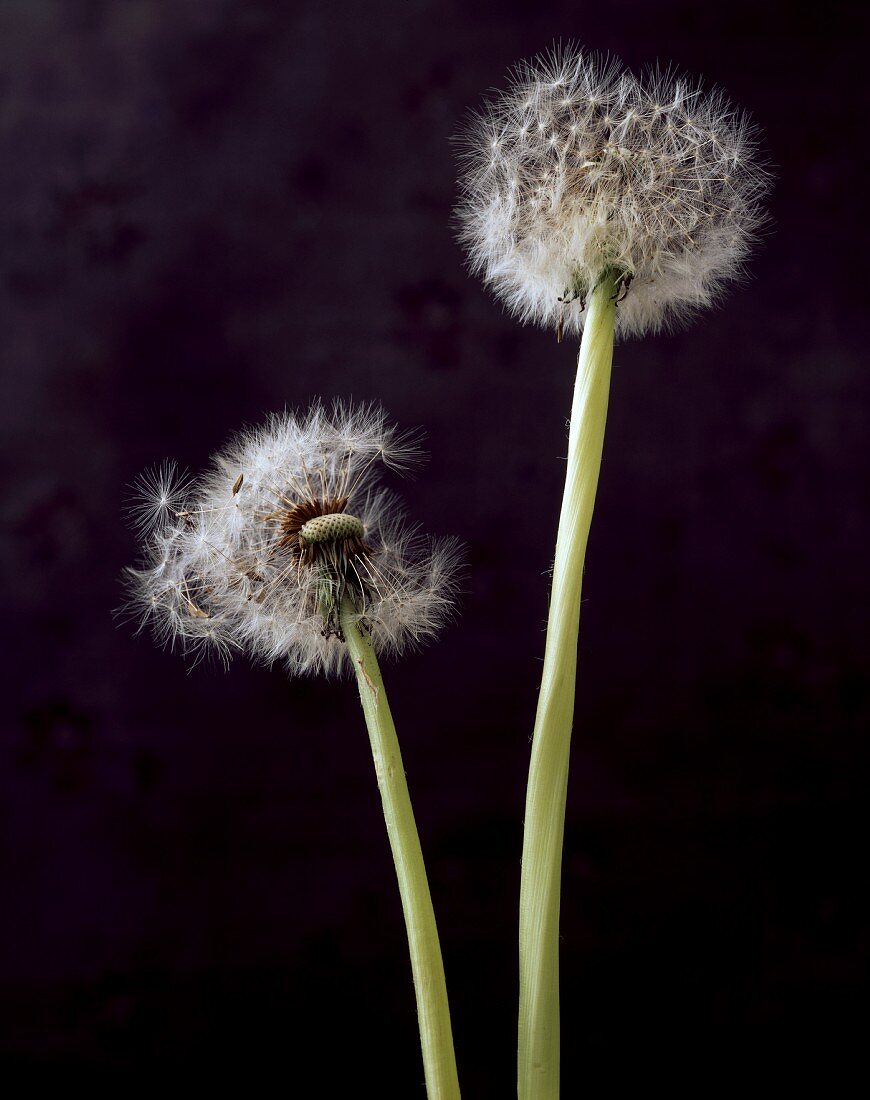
(579, 170)
(258, 554)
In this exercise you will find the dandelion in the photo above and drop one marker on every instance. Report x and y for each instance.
(580, 174)
(593, 201)
(289, 524)
(288, 549)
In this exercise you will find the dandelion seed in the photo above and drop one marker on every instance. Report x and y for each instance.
(157, 496)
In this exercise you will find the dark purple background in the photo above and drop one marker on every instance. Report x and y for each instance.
(214, 209)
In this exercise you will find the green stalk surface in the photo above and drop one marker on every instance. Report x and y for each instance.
(540, 889)
(433, 1012)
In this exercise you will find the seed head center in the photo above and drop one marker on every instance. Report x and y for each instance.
(332, 527)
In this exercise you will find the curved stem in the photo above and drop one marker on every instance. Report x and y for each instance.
(538, 1047)
(433, 1012)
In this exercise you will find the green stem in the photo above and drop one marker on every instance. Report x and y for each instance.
(433, 1012)
(538, 1047)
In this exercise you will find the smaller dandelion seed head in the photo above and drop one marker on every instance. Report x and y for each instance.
(597, 172)
(259, 553)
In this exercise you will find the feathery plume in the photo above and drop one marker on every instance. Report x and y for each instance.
(259, 553)
(580, 170)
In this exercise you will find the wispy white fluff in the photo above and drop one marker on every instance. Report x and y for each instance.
(579, 169)
(220, 574)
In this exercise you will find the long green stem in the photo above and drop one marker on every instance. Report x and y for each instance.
(433, 1012)
(538, 1053)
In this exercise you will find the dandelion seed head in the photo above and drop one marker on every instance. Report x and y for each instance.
(597, 172)
(258, 554)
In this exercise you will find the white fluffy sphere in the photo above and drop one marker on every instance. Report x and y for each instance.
(580, 170)
(259, 553)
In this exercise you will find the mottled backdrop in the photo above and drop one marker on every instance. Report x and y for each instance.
(213, 209)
